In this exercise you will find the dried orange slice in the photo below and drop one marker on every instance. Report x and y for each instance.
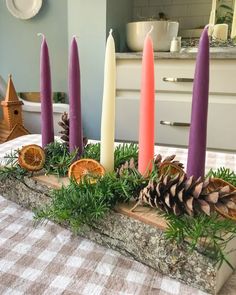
(31, 157)
(86, 168)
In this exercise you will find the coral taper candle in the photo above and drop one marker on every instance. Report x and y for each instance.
(76, 129)
(108, 107)
(47, 130)
(147, 109)
(198, 128)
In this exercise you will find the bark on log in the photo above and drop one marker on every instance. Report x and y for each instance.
(145, 243)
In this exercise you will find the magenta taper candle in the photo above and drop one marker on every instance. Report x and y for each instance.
(198, 127)
(47, 130)
(76, 130)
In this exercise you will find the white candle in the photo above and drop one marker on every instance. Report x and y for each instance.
(212, 19)
(233, 29)
(220, 32)
(108, 107)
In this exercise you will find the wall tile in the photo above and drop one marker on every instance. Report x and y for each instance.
(190, 13)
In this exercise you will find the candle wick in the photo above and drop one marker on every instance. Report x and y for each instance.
(110, 32)
(41, 34)
(149, 32)
(75, 36)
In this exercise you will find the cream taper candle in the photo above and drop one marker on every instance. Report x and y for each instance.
(212, 19)
(108, 107)
(233, 29)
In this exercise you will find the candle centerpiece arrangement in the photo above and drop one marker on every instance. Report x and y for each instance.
(101, 178)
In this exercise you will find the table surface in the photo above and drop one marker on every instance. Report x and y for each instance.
(48, 259)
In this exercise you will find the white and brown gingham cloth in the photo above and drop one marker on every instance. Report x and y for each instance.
(48, 259)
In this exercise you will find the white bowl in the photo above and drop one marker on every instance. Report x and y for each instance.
(162, 34)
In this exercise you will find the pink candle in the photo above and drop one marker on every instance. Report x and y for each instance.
(147, 109)
(76, 130)
(47, 130)
(198, 128)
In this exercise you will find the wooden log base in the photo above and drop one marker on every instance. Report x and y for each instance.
(138, 234)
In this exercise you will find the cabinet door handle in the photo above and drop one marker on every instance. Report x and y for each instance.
(177, 124)
(165, 79)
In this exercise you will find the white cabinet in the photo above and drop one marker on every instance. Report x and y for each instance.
(173, 101)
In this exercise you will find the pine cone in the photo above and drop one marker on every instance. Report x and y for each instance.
(127, 166)
(65, 124)
(180, 195)
(170, 159)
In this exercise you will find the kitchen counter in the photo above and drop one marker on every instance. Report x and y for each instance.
(185, 53)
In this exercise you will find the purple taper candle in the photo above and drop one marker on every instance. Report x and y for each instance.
(198, 128)
(76, 130)
(47, 130)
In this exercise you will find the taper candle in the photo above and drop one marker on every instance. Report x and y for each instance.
(233, 28)
(75, 117)
(147, 109)
(213, 13)
(198, 127)
(212, 18)
(108, 107)
(47, 130)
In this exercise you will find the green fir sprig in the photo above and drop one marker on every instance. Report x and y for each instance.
(58, 158)
(223, 173)
(123, 152)
(207, 234)
(92, 151)
(11, 168)
(85, 203)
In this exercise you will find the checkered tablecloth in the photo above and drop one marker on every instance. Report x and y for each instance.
(48, 259)
(213, 159)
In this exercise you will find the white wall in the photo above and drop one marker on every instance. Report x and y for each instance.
(87, 20)
(20, 46)
(91, 20)
(118, 14)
